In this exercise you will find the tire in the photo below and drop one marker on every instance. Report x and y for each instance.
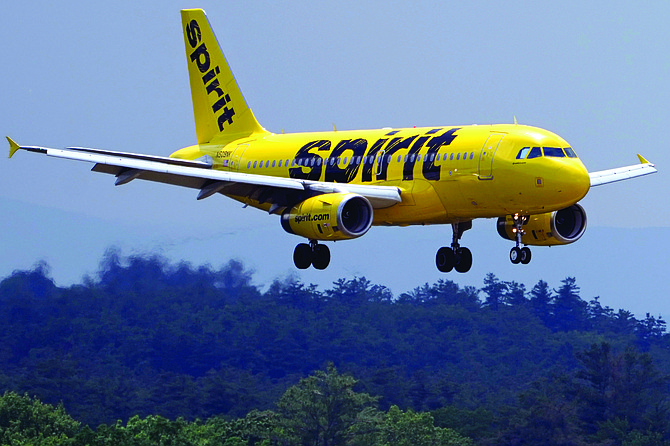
(302, 256)
(445, 259)
(320, 257)
(463, 260)
(525, 255)
(515, 255)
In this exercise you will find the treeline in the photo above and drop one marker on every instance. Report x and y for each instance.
(501, 363)
(322, 410)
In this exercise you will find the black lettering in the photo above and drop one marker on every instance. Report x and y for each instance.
(304, 157)
(220, 103)
(408, 167)
(227, 115)
(197, 54)
(393, 146)
(369, 160)
(193, 33)
(431, 172)
(214, 86)
(337, 174)
(211, 74)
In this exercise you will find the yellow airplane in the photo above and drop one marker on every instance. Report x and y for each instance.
(335, 185)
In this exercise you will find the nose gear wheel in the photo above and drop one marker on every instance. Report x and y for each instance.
(519, 255)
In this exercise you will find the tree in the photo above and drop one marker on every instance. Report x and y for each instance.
(569, 309)
(411, 428)
(322, 409)
(24, 420)
(541, 300)
(495, 291)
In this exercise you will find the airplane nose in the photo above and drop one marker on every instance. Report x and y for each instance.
(573, 181)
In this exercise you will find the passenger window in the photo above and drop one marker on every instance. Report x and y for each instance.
(273, 163)
(465, 156)
(279, 163)
(571, 153)
(254, 164)
(458, 156)
(418, 158)
(318, 161)
(535, 152)
(249, 164)
(522, 153)
(472, 155)
(555, 152)
(267, 163)
(345, 160)
(399, 158)
(411, 158)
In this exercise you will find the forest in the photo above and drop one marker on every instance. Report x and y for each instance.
(153, 352)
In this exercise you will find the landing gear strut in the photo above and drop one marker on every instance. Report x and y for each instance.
(312, 254)
(455, 257)
(516, 254)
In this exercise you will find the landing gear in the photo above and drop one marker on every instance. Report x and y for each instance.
(519, 255)
(455, 257)
(312, 254)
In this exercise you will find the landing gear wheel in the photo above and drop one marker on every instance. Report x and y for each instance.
(515, 255)
(525, 255)
(445, 259)
(302, 256)
(463, 260)
(320, 256)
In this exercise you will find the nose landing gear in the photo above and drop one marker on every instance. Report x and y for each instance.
(455, 257)
(519, 255)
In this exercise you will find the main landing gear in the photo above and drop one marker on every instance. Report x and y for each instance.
(519, 255)
(455, 257)
(313, 254)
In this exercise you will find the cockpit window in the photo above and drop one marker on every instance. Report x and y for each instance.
(571, 153)
(556, 152)
(522, 153)
(535, 152)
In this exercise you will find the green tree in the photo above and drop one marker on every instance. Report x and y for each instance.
(323, 409)
(409, 428)
(28, 421)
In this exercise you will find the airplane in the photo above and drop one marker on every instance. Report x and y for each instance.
(330, 186)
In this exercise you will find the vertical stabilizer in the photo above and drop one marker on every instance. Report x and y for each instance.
(220, 111)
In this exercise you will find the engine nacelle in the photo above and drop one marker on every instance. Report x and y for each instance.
(553, 228)
(329, 217)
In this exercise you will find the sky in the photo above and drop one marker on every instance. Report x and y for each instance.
(113, 75)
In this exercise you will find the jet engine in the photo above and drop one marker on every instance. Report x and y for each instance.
(553, 228)
(337, 216)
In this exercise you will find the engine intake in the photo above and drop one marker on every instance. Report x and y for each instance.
(329, 217)
(553, 228)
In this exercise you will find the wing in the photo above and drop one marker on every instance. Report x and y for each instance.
(277, 191)
(622, 173)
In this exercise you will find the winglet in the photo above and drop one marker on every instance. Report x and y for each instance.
(643, 160)
(13, 147)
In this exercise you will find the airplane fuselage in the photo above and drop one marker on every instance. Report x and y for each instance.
(445, 174)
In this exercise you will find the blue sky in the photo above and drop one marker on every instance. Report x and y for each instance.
(113, 76)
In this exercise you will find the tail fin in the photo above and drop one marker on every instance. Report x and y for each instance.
(220, 111)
